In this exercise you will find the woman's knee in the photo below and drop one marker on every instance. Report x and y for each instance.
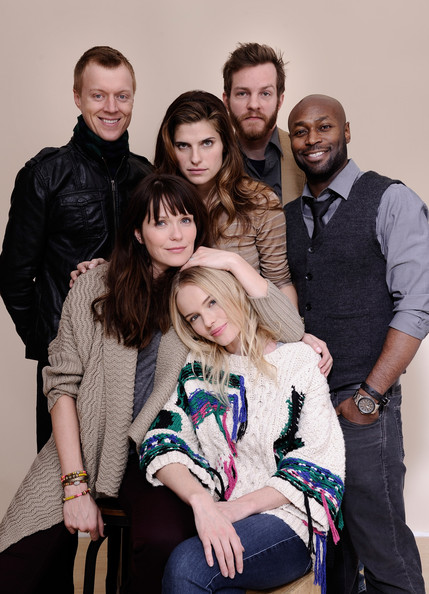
(186, 565)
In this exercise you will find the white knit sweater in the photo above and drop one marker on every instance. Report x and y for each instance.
(232, 451)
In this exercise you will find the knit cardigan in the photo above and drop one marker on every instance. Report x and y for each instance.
(99, 373)
(281, 432)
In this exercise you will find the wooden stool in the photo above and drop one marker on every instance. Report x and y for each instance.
(116, 530)
(303, 585)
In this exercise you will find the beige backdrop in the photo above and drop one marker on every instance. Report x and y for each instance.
(371, 54)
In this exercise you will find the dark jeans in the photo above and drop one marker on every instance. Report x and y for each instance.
(43, 417)
(43, 562)
(374, 512)
(273, 555)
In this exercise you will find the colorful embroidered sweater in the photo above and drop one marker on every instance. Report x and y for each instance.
(282, 433)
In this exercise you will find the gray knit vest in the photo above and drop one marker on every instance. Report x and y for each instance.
(340, 278)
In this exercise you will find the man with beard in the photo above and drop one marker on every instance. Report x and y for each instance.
(358, 252)
(66, 206)
(254, 84)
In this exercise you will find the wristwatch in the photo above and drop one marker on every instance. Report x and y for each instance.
(366, 404)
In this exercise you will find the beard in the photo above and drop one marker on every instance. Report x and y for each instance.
(252, 132)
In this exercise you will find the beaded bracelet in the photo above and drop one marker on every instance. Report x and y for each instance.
(77, 495)
(75, 482)
(73, 475)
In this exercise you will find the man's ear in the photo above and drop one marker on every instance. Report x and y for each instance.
(347, 133)
(281, 99)
(225, 100)
(76, 98)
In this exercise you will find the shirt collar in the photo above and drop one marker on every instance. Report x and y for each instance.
(275, 140)
(342, 183)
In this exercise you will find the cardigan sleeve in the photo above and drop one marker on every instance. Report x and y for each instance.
(311, 455)
(69, 351)
(279, 314)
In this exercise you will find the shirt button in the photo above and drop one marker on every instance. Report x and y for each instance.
(308, 276)
(311, 250)
(307, 306)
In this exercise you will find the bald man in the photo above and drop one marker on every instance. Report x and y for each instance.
(358, 246)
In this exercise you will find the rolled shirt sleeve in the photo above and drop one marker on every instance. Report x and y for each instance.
(403, 232)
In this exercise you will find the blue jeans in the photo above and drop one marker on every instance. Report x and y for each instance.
(374, 511)
(273, 555)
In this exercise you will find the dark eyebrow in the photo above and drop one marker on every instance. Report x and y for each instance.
(304, 123)
(243, 88)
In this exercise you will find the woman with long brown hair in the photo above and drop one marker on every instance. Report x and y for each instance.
(196, 140)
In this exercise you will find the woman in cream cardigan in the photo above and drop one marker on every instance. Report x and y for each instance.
(112, 366)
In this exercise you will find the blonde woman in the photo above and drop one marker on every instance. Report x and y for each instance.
(249, 440)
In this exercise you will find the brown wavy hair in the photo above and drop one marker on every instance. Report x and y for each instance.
(253, 54)
(135, 303)
(234, 193)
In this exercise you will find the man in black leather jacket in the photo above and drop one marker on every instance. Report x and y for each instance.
(66, 206)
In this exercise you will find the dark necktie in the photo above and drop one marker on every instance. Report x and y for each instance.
(318, 210)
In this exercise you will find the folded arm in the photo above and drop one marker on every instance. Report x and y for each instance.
(214, 528)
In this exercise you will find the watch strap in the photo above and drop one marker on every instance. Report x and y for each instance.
(381, 398)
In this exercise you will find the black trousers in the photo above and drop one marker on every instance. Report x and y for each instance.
(43, 562)
(43, 418)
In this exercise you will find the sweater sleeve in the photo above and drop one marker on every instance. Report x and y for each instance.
(172, 439)
(279, 314)
(310, 455)
(270, 241)
(69, 351)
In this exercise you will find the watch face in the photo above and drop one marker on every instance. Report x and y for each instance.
(366, 405)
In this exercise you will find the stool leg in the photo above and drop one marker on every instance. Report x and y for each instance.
(90, 563)
(113, 559)
(125, 558)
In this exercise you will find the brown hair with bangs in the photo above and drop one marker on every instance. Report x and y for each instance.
(135, 303)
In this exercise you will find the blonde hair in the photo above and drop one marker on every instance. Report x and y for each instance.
(231, 297)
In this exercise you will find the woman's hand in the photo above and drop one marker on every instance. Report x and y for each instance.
(216, 531)
(212, 258)
(252, 282)
(82, 513)
(320, 346)
(214, 528)
(82, 267)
